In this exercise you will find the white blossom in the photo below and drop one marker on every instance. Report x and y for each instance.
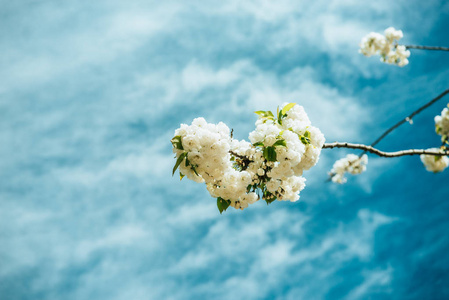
(352, 164)
(374, 43)
(434, 163)
(442, 123)
(392, 34)
(386, 46)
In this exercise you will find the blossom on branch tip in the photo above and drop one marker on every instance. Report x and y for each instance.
(434, 163)
(352, 164)
(442, 124)
(386, 46)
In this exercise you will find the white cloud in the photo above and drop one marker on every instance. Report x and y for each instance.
(249, 88)
(197, 77)
(98, 40)
(116, 237)
(269, 255)
(373, 278)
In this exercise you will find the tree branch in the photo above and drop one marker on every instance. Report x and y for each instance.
(426, 47)
(370, 149)
(407, 119)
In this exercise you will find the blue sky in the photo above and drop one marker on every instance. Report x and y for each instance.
(91, 94)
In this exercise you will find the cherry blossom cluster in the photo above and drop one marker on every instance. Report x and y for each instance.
(386, 46)
(352, 164)
(239, 173)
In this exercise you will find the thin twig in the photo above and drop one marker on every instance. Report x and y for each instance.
(367, 148)
(237, 155)
(407, 119)
(426, 47)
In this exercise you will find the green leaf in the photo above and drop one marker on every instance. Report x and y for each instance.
(305, 140)
(287, 108)
(177, 143)
(280, 116)
(191, 166)
(265, 114)
(266, 119)
(270, 201)
(176, 139)
(178, 162)
(282, 143)
(273, 154)
(194, 170)
(258, 144)
(181, 176)
(307, 134)
(269, 153)
(222, 204)
(265, 153)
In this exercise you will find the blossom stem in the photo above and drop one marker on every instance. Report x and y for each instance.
(407, 119)
(427, 47)
(371, 149)
(237, 155)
